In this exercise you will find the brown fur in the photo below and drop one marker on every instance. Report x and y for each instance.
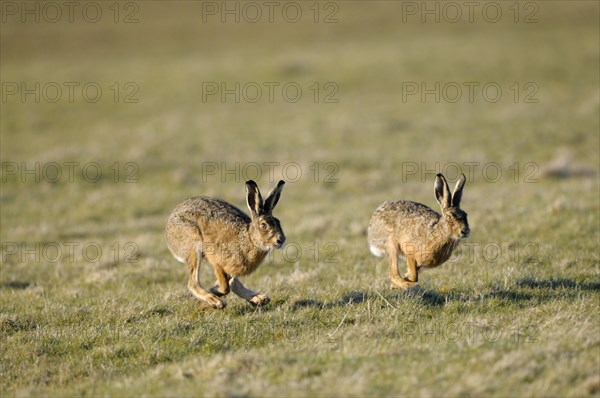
(233, 243)
(424, 237)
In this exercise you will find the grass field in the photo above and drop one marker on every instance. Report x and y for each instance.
(362, 106)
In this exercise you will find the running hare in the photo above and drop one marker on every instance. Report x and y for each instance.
(413, 230)
(233, 243)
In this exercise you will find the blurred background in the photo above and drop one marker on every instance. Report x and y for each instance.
(346, 100)
(382, 85)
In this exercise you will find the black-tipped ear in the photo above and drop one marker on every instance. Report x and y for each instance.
(273, 197)
(458, 189)
(253, 198)
(442, 192)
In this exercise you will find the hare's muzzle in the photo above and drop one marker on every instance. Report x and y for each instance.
(465, 233)
(280, 242)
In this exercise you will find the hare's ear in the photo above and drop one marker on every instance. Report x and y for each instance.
(273, 197)
(442, 192)
(253, 198)
(458, 189)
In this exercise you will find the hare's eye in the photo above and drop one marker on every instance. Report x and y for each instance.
(263, 226)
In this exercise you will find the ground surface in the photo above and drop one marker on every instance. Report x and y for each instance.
(91, 301)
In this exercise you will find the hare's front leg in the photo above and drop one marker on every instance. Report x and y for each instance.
(412, 275)
(193, 261)
(247, 294)
(221, 287)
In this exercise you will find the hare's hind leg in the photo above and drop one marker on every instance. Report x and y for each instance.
(247, 294)
(193, 261)
(221, 287)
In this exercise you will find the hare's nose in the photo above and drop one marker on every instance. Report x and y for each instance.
(465, 232)
(280, 241)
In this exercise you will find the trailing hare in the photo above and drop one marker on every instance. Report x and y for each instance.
(233, 243)
(413, 230)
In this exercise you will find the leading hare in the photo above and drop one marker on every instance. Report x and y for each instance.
(233, 243)
(413, 230)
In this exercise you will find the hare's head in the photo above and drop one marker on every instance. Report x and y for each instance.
(452, 214)
(265, 230)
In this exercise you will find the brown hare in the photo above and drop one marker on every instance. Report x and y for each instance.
(233, 243)
(413, 230)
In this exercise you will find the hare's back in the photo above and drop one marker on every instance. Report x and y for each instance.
(201, 219)
(206, 210)
(395, 214)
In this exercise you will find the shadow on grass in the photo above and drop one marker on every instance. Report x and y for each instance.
(557, 284)
(429, 297)
(18, 285)
(247, 308)
(526, 290)
(347, 299)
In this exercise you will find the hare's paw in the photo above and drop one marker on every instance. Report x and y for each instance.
(215, 302)
(401, 283)
(216, 290)
(260, 299)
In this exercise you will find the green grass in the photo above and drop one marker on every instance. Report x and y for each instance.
(515, 312)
